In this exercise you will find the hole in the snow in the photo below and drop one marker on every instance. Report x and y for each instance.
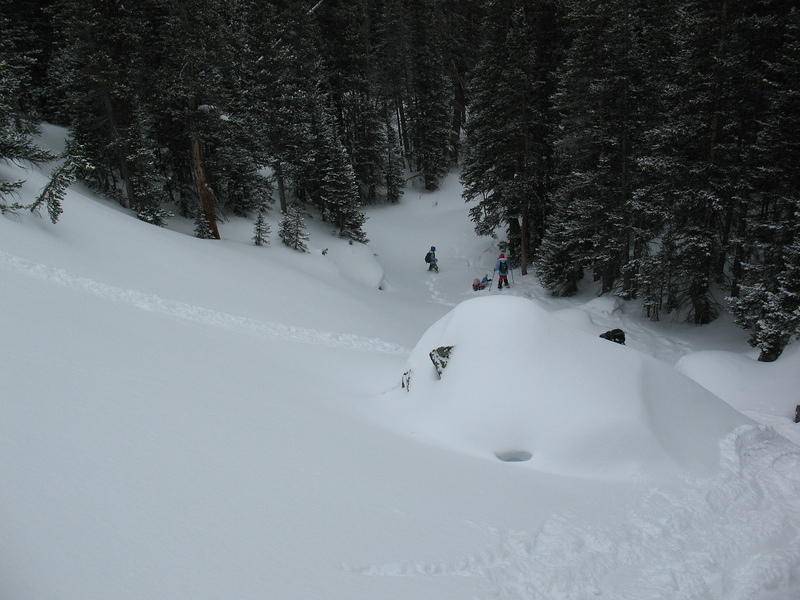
(514, 455)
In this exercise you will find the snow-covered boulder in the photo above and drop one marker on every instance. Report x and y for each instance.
(524, 386)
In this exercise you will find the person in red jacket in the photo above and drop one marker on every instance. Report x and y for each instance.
(501, 267)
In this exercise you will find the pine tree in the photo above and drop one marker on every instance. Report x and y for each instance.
(31, 34)
(428, 104)
(339, 192)
(768, 302)
(558, 269)
(148, 194)
(64, 176)
(285, 92)
(97, 74)
(261, 230)
(345, 41)
(508, 157)
(700, 169)
(16, 145)
(202, 229)
(293, 228)
(393, 166)
(462, 28)
(15, 141)
(609, 87)
(192, 105)
(390, 46)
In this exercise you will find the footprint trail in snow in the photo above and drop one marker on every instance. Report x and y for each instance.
(197, 314)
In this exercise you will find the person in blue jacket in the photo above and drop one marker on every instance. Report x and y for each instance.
(431, 259)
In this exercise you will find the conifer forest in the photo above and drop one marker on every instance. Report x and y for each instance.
(651, 147)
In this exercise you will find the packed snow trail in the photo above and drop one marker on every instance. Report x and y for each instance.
(195, 313)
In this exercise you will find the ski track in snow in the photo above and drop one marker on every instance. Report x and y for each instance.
(724, 538)
(198, 314)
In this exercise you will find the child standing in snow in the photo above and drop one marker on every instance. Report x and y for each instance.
(501, 267)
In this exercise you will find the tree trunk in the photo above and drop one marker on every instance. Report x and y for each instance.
(404, 127)
(737, 270)
(124, 172)
(281, 186)
(525, 234)
(204, 193)
(400, 133)
(702, 311)
(459, 109)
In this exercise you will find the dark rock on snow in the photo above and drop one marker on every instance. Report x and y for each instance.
(439, 357)
(615, 335)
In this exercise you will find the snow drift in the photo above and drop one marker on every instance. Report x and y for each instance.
(595, 409)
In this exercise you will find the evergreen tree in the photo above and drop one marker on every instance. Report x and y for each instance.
(202, 229)
(149, 196)
(293, 228)
(558, 270)
(31, 34)
(462, 26)
(508, 159)
(391, 48)
(339, 193)
(345, 40)
(17, 61)
(429, 106)
(16, 144)
(261, 230)
(97, 74)
(609, 85)
(286, 94)
(393, 166)
(768, 302)
(699, 167)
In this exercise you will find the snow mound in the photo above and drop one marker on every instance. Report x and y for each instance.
(576, 317)
(522, 383)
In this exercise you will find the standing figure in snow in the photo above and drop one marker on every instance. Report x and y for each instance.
(431, 259)
(501, 267)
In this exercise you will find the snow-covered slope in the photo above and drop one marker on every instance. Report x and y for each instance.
(198, 419)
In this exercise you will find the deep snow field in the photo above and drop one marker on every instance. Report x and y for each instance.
(196, 419)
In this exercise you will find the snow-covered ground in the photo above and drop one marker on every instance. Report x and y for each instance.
(208, 419)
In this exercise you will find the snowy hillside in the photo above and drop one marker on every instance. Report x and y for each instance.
(184, 418)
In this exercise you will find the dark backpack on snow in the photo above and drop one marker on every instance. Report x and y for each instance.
(503, 267)
(428, 257)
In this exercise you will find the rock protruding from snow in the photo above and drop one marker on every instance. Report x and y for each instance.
(614, 335)
(440, 357)
(523, 379)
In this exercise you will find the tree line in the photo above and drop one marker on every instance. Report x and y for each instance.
(211, 107)
(651, 147)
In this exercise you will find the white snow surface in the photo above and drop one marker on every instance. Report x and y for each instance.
(182, 418)
(627, 416)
